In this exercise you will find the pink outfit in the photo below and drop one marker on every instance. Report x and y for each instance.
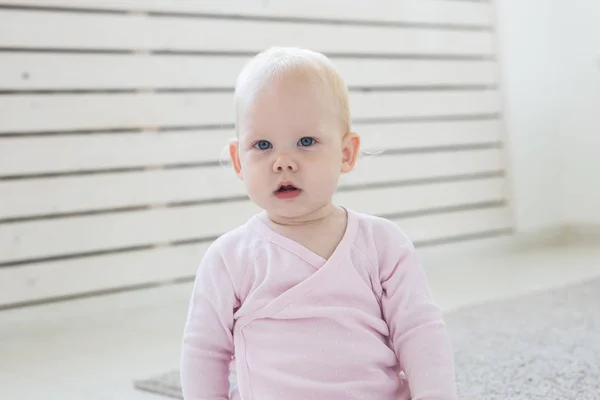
(360, 325)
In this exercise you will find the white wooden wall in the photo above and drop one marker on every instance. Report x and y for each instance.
(114, 115)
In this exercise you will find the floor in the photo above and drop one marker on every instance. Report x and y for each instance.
(93, 349)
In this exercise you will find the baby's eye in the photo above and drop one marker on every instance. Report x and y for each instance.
(263, 145)
(306, 141)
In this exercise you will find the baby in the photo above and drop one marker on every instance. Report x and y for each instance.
(308, 299)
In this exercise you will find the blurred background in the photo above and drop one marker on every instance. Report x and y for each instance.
(113, 119)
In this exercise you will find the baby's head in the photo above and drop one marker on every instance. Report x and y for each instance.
(293, 131)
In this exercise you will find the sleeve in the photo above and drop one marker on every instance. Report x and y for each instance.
(207, 347)
(417, 331)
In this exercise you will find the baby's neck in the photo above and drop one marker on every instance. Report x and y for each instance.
(319, 216)
(320, 231)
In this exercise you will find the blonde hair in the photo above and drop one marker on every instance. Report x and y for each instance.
(279, 62)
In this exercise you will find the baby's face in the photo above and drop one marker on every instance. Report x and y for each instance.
(292, 148)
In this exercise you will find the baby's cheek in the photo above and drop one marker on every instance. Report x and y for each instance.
(254, 166)
(248, 159)
(254, 178)
(327, 177)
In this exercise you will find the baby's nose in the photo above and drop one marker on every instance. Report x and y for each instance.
(285, 163)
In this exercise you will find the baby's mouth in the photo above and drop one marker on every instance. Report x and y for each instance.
(287, 192)
(286, 188)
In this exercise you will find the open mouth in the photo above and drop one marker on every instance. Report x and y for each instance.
(287, 192)
(286, 188)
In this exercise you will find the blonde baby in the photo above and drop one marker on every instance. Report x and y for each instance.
(308, 299)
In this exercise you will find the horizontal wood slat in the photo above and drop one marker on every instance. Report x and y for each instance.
(408, 11)
(401, 199)
(141, 32)
(472, 222)
(34, 239)
(52, 279)
(95, 151)
(30, 71)
(47, 196)
(112, 111)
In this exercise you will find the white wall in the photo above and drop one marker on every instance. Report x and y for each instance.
(551, 70)
(577, 36)
(528, 68)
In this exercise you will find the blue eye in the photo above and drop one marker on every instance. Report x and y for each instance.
(306, 141)
(263, 145)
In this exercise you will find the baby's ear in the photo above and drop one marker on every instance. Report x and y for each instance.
(234, 155)
(350, 151)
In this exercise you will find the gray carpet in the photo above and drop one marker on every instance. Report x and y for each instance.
(541, 346)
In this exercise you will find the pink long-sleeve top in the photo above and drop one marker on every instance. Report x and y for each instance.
(292, 325)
